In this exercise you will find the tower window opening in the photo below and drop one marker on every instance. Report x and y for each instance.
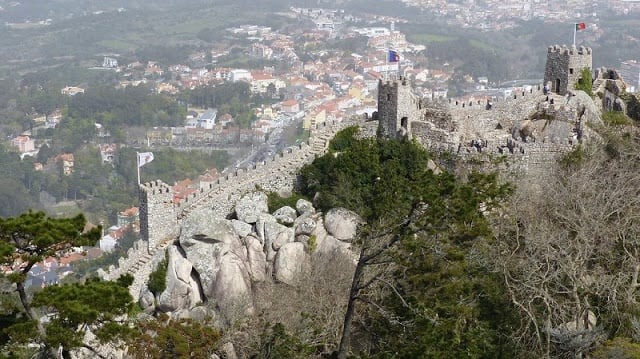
(571, 71)
(388, 97)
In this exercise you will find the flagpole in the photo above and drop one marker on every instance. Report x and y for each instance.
(575, 29)
(138, 166)
(386, 70)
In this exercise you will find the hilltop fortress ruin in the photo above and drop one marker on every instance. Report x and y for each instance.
(530, 126)
(529, 129)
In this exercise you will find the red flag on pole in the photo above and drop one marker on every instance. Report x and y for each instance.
(581, 26)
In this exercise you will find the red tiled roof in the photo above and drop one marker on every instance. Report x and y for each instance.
(130, 212)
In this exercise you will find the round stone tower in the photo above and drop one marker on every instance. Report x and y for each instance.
(564, 67)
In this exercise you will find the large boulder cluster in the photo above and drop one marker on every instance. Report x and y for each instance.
(215, 263)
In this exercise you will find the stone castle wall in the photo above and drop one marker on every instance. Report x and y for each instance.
(564, 67)
(160, 217)
(529, 128)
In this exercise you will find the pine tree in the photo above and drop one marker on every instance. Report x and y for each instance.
(419, 288)
(28, 239)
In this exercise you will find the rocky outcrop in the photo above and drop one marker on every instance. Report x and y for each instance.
(216, 262)
(303, 206)
(342, 223)
(182, 291)
(147, 301)
(328, 245)
(290, 263)
(232, 287)
(285, 215)
(305, 224)
(242, 229)
(277, 235)
(205, 241)
(610, 87)
(250, 206)
(256, 259)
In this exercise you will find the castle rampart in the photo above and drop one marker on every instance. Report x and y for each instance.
(160, 217)
(529, 127)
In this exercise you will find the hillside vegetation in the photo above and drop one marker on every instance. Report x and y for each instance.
(448, 265)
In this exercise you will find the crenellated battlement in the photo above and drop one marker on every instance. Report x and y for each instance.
(156, 187)
(569, 50)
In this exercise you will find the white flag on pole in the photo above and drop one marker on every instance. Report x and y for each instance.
(144, 158)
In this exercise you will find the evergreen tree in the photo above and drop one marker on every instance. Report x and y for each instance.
(420, 273)
(28, 239)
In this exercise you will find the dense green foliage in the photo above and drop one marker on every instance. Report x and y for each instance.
(343, 139)
(451, 304)
(19, 184)
(615, 118)
(438, 298)
(227, 93)
(74, 306)
(585, 83)
(158, 278)
(370, 178)
(163, 338)
(31, 237)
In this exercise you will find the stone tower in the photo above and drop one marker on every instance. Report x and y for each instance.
(564, 67)
(396, 108)
(158, 220)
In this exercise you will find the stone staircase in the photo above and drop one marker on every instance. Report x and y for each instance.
(143, 268)
(144, 259)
